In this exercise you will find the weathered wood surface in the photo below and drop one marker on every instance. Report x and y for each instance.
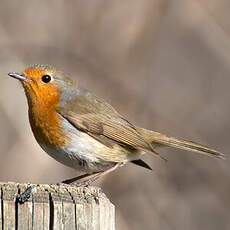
(56, 207)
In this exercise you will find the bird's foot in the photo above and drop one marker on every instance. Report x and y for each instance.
(82, 184)
(85, 183)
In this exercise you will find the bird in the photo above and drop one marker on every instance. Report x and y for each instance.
(83, 131)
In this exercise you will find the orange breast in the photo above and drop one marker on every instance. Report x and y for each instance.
(45, 122)
(47, 128)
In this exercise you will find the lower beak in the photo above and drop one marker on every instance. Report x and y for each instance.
(17, 76)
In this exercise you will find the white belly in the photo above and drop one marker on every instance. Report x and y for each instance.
(85, 153)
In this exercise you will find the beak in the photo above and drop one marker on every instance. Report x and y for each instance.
(18, 76)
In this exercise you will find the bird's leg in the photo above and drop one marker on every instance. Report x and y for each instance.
(103, 173)
(71, 180)
(87, 179)
(93, 177)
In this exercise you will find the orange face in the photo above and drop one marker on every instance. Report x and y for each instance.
(43, 86)
(40, 87)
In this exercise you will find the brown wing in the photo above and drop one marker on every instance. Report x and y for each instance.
(100, 126)
(101, 121)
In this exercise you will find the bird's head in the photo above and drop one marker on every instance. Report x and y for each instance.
(45, 85)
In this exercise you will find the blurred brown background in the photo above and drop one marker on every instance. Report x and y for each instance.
(163, 64)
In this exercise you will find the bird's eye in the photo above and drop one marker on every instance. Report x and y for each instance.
(46, 78)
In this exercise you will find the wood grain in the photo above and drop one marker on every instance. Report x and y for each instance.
(61, 207)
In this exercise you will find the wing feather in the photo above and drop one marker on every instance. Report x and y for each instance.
(113, 129)
(100, 120)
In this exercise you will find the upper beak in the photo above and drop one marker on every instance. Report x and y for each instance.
(17, 76)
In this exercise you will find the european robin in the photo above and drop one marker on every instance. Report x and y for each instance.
(82, 131)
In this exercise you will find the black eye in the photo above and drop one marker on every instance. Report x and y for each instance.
(46, 78)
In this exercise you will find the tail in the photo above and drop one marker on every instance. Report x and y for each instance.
(158, 139)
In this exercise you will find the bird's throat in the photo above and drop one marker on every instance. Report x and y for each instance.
(45, 122)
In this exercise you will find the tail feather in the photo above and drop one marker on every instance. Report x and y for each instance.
(156, 138)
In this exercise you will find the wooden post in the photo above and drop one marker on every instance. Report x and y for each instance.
(56, 207)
